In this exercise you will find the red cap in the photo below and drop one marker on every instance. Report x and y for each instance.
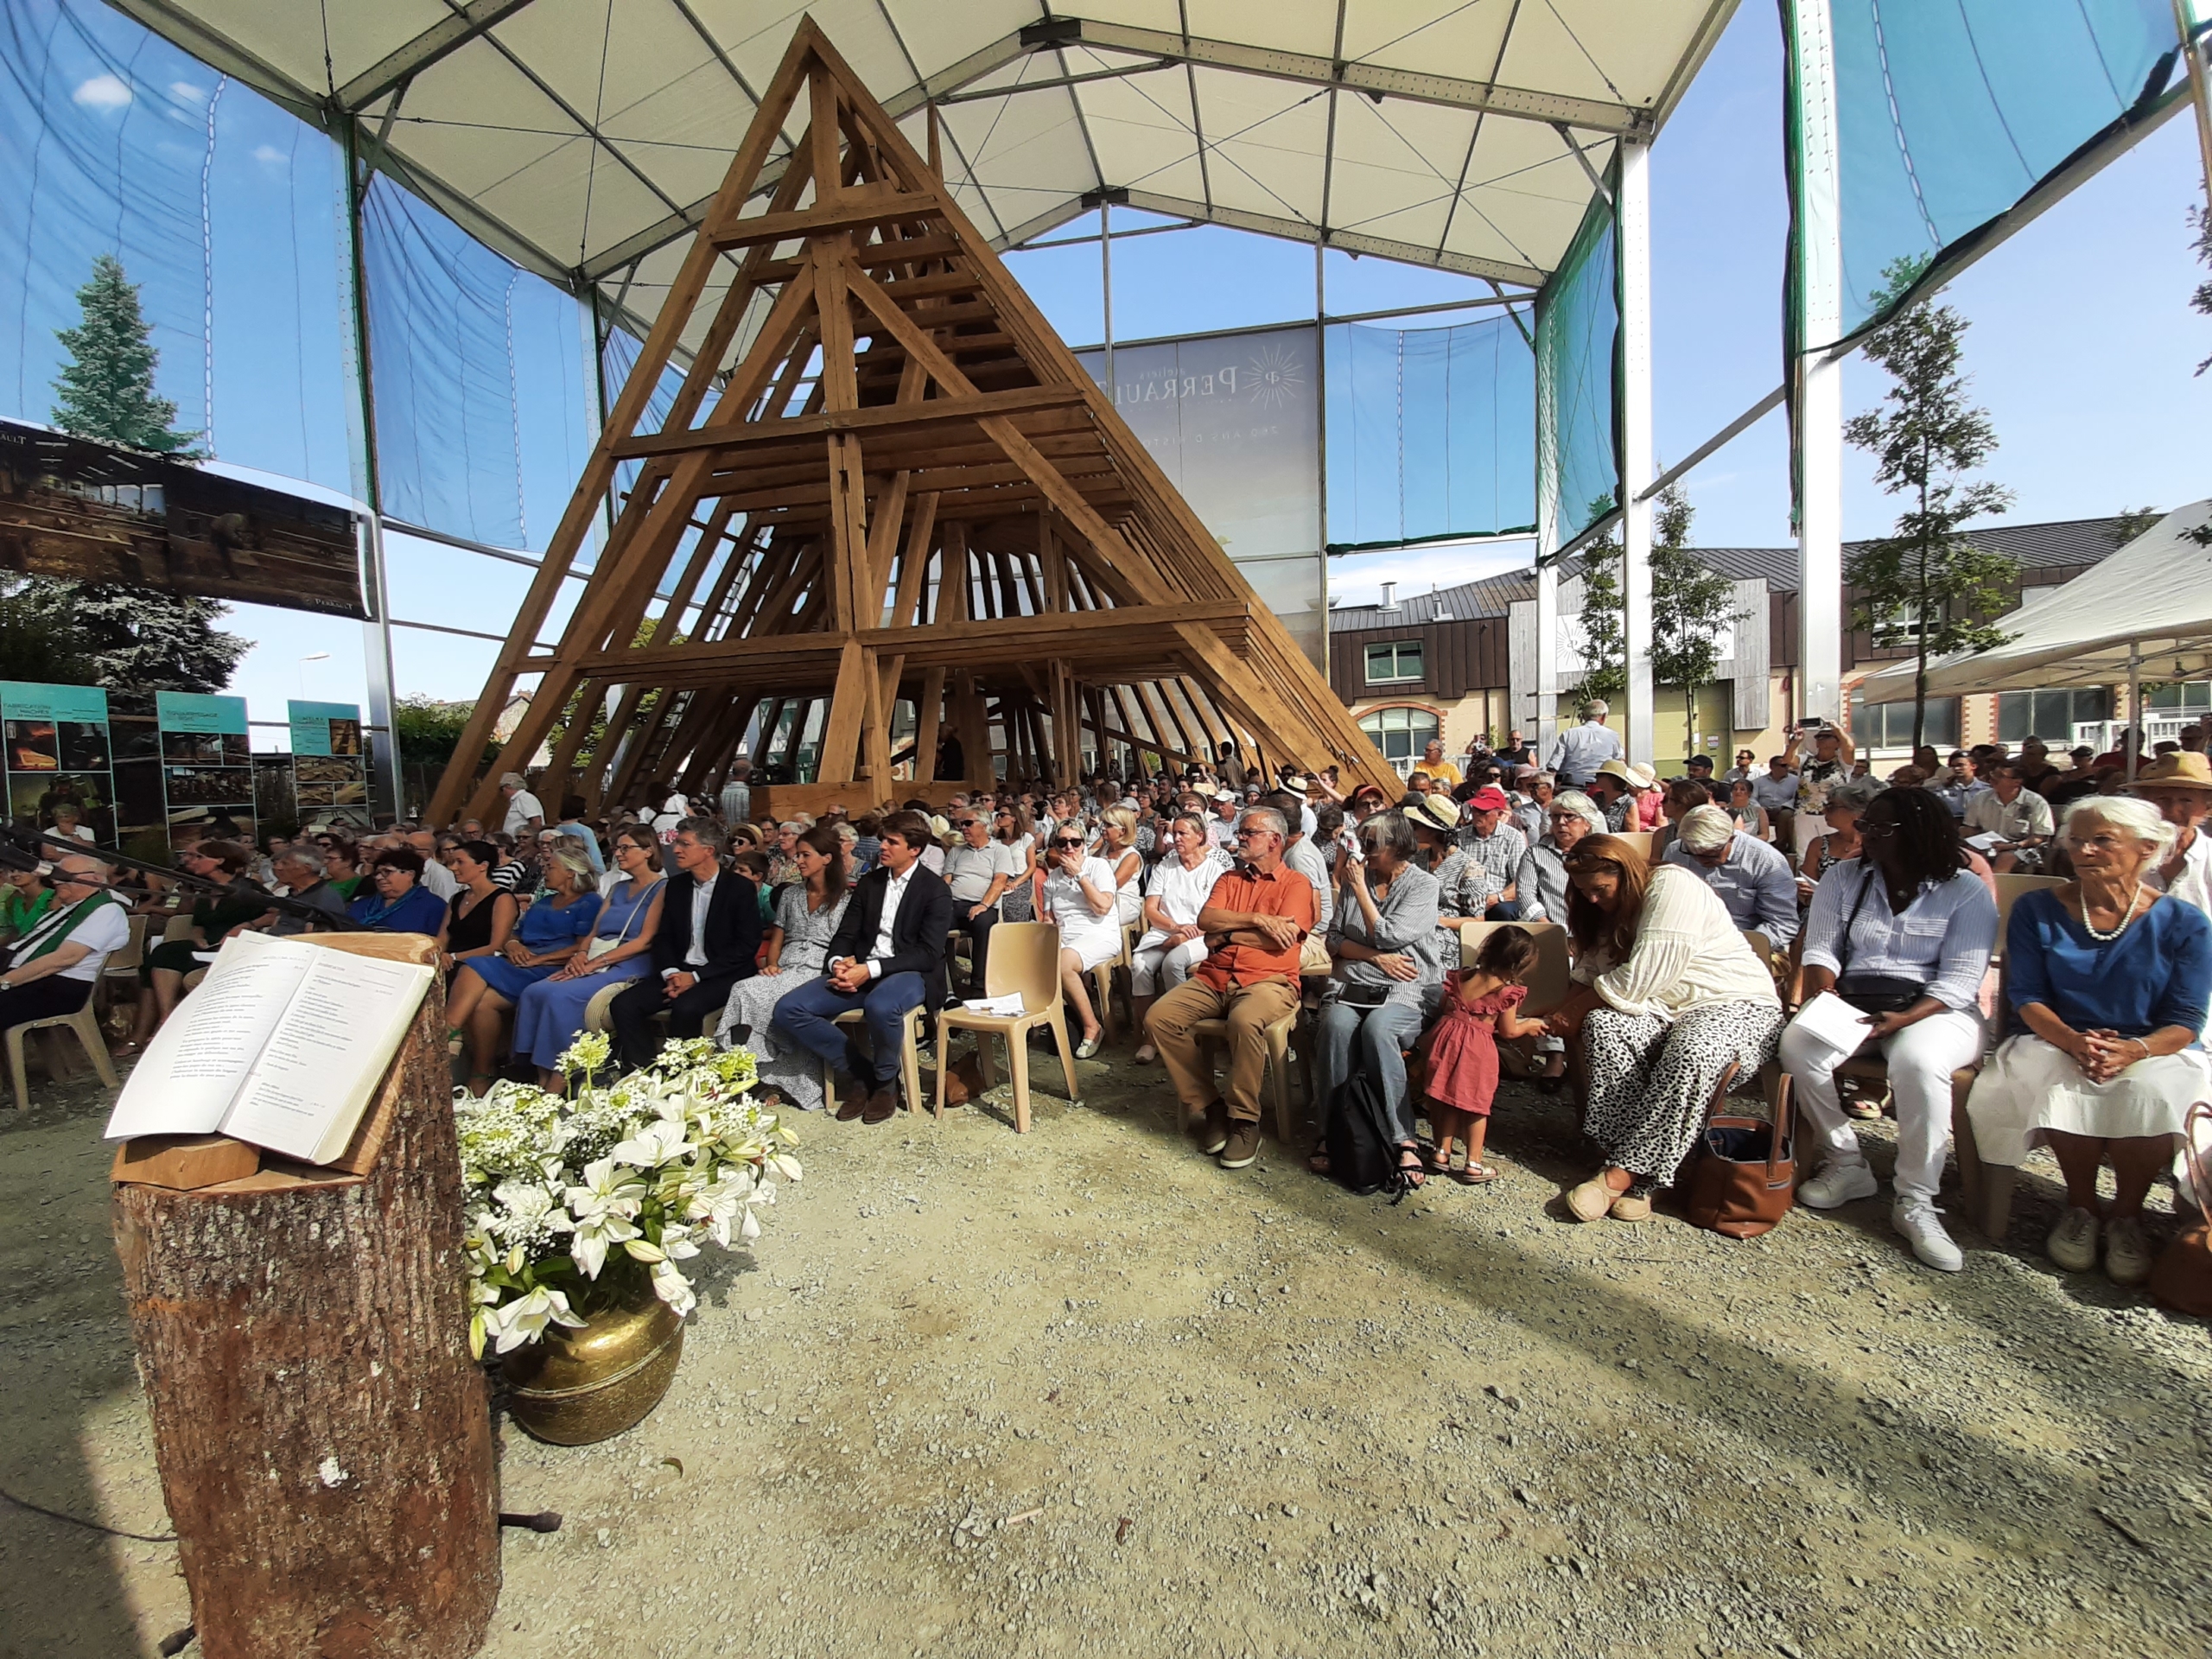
(1489, 798)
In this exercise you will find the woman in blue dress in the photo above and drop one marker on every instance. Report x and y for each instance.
(552, 1011)
(552, 932)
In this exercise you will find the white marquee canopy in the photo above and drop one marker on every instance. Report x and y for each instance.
(583, 138)
(2151, 600)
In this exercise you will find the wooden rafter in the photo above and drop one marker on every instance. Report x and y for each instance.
(954, 517)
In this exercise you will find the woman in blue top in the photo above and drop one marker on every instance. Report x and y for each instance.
(550, 1012)
(552, 932)
(397, 900)
(2108, 982)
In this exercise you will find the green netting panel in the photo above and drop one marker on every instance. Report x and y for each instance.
(1949, 115)
(1578, 340)
(1432, 433)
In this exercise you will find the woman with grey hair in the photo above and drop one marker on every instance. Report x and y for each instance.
(1380, 942)
(1846, 803)
(2108, 982)
(551, 930)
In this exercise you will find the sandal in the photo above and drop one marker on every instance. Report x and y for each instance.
(1416, 1176)
(1475, 1175)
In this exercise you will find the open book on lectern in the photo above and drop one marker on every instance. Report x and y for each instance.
(283, 1044)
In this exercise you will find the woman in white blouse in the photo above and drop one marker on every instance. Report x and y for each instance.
(1668, 995)
(1117, 845)
(1174, 894)
(1079, 900)
(1902, 932)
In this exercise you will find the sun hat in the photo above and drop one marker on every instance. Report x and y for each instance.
(2185, 769)
(1642, 776)
(1619, 770)
(1432, 812)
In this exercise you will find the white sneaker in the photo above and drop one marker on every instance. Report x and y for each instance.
(1838, 1183)
(2127, 1253)
(1915, 1219)
(2072, 1244)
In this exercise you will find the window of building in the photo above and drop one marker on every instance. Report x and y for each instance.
(1889, 725)
(1401, 734)
(2051, 715)
(2193, 697)
(1395, 663)
(1903, 625)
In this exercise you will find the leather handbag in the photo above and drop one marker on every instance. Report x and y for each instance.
(1746, 1177)
(2182, 1280)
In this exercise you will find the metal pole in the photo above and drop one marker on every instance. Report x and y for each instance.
(2193, 60)
(2131, 735)
(1106, 289)
(1632, 209)
(387, 796)
(1545, 722)
(1819, 424)
(1321, 447)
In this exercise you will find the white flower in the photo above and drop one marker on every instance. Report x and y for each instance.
(748, 1225)
(604, 1208)
(526, 1319)
(784, 1165)
(715, 1209)
(672, 1288)
(676, 1242)
(591, 1050)
(662, 1141)
(531, 1208)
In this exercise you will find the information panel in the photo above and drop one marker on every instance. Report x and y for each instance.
(206, 764)
(330, 776)
(59, 755)
(1234, 421)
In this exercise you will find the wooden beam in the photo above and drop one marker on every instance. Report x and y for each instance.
(850, 210)
(898, 419)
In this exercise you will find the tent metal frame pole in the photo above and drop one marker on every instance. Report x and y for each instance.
(1818, 428)
(1321, 439)
(386, 793)
(1106, 292)
(1632, 208)
(1545, 724)
(2193, 60)
(2133, 733)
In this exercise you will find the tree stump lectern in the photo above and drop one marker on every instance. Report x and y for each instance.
(324, 1438)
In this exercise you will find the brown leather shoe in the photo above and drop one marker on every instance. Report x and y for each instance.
(1243, 1147)
(852, 1100)
(882, 1105)
(1213, 1128)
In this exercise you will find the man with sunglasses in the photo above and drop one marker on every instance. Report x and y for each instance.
(1255, 922)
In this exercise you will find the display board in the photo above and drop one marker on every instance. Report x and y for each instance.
(206, 764)
(1233, 421)
(58, 751)
(330, 766)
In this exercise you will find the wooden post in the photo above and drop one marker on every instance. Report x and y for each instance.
(323, 1438)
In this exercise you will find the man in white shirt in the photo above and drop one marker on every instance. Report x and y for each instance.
(53, 968)
(525, 812)
(978, 872)
(886, 959)
(435, 877)
(1221, 828)
(1577, 752)
(2015, 814)
(709, 939)
(1750, 878)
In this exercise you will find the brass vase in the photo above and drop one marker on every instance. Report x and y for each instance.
(575, 1386)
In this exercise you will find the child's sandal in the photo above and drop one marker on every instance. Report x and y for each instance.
(1475, 1175)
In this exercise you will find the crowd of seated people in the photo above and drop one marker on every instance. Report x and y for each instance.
(1230, 895)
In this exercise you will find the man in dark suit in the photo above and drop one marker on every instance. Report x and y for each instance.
(709, 939)
(887, 956)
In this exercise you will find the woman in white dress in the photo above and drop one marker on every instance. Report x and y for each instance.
(1080, 900)
(1117, 845)
(1174, 894)
(807, 912)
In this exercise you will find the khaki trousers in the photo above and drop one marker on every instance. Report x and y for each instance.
(1249, 1010)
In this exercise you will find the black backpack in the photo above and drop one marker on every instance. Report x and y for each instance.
(1363, 1157)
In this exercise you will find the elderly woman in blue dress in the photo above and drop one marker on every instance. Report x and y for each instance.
(2108, 981)
(1902, 931)
(549, 1014)
(551, 930)
(807, 912)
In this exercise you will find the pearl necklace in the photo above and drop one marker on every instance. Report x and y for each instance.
(2126, 916)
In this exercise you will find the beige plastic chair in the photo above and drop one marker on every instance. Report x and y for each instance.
(178, 926)
(1102, 988)
(1024, 957)
(124, 963)
(910, 1061)
(1549, 984)
(1279, 1047)
(85, 1023)
(1639, 839)
(1986, 1189)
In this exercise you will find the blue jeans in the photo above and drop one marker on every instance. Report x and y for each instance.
(1505, 909)
(806, 1017)
(1352, 1040)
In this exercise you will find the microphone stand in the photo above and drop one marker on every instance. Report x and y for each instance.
(23, 849)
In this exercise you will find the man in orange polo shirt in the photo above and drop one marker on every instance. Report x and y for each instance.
(1254, 921)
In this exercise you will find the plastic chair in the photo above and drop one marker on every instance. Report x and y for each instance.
(85, 1022)
(1102, 988)
(910, 1061)
(1986, 1189)
(1549, 985)
(1279, 1046)
(1025, 958)
(178, 926)
(124, 962)
(1639, 839)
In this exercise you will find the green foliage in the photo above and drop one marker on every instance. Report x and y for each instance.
(1691, 606)
(131, 640)
(1603, 617)
(2131, 522)
(1925, 440)
(37, 643)
(428, 730)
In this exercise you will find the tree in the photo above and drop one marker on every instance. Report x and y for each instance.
(132, 640)
(2131, 522)
(1691, 607)
(1927, 578)
(429, 731)
(1603, 617)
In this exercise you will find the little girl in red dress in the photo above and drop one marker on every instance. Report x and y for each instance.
(1479, 1005)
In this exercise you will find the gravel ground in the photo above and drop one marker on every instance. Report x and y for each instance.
(1082, 1391)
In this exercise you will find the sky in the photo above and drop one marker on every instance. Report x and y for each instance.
(2082, 345)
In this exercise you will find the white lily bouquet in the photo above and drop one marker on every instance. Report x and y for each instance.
(578, 1201)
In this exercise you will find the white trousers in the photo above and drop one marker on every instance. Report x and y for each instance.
(1921, 1059)
(1155, 967)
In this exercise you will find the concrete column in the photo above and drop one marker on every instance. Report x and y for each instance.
(1633, 216)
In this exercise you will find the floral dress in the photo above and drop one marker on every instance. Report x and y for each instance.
(793, 1072)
